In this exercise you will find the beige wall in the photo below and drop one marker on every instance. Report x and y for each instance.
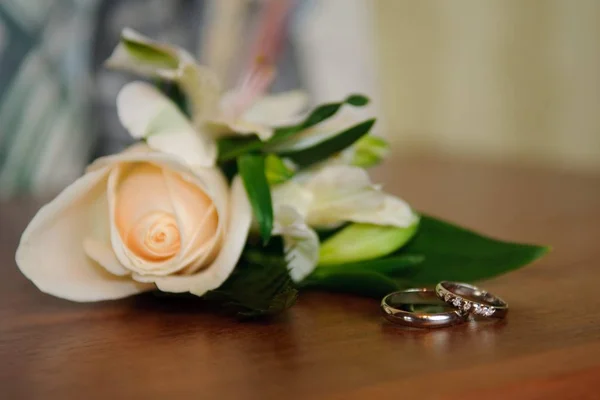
(509, 79)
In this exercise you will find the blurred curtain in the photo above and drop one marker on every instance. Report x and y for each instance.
(44, 93)
(508, 79)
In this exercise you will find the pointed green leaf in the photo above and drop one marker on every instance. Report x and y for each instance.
(329, 147)
(232, 147)
(458, 254)
(251, 167)
(391, 266)
(374, 278)
(357, 100)
(358, 242)
(360, 283)
(260, 286)
(150, 54)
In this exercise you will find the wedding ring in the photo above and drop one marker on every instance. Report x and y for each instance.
(471, 300)
(399, 308)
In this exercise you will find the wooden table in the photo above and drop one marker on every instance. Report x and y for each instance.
(335, 346)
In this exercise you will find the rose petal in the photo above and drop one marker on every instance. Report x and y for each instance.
(214, 184)
(51, 252)
(213, 276)
(210, 180)
(97, 244)
(198, 215)
(104, 256)
(137, 194)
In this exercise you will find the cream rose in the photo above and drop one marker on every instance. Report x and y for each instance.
(137, 221)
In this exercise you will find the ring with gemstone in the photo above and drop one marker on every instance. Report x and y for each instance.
(470, 299)
(403, 308)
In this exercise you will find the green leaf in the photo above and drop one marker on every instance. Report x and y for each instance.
(357, 100)
(329, 147)
(359, 242)
(374, 278)
(251, 167)
(439, 251)
(369, 151)
(232, 147)
(360, 283)
(278, 170)
(150, 54)
(458, 254)
(258, 287)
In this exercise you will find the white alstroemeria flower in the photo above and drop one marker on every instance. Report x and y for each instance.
(301, 243)
(148, 114)
(241, 111)
(137, 221)
(327, 198)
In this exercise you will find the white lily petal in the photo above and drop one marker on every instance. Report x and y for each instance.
(277, 109)
(170, 63)
(246, 127)
(393, 212)
(292, 194)
(195, 150)
(339, 191)
(213, 276)
(229, 127)
(301, 243)
(51, 254)
(146, 113)
(143, 110)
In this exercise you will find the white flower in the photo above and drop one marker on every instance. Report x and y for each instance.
(241, 111)
(301, 243)
(327, 198)
(136, 221)
(342, 193)
(148, 114)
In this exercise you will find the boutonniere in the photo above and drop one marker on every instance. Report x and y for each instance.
(243, 199)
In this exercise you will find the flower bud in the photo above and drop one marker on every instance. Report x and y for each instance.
(370, 150)
(278, 170)
(359, 242)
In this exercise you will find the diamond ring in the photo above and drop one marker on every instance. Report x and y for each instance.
(420, 308)
(469, 299)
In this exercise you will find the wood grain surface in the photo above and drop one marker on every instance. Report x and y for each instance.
(336, 346)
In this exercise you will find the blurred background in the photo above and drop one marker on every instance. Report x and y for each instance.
(514, 81)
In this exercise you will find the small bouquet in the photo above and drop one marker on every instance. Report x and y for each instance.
(241, 199)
